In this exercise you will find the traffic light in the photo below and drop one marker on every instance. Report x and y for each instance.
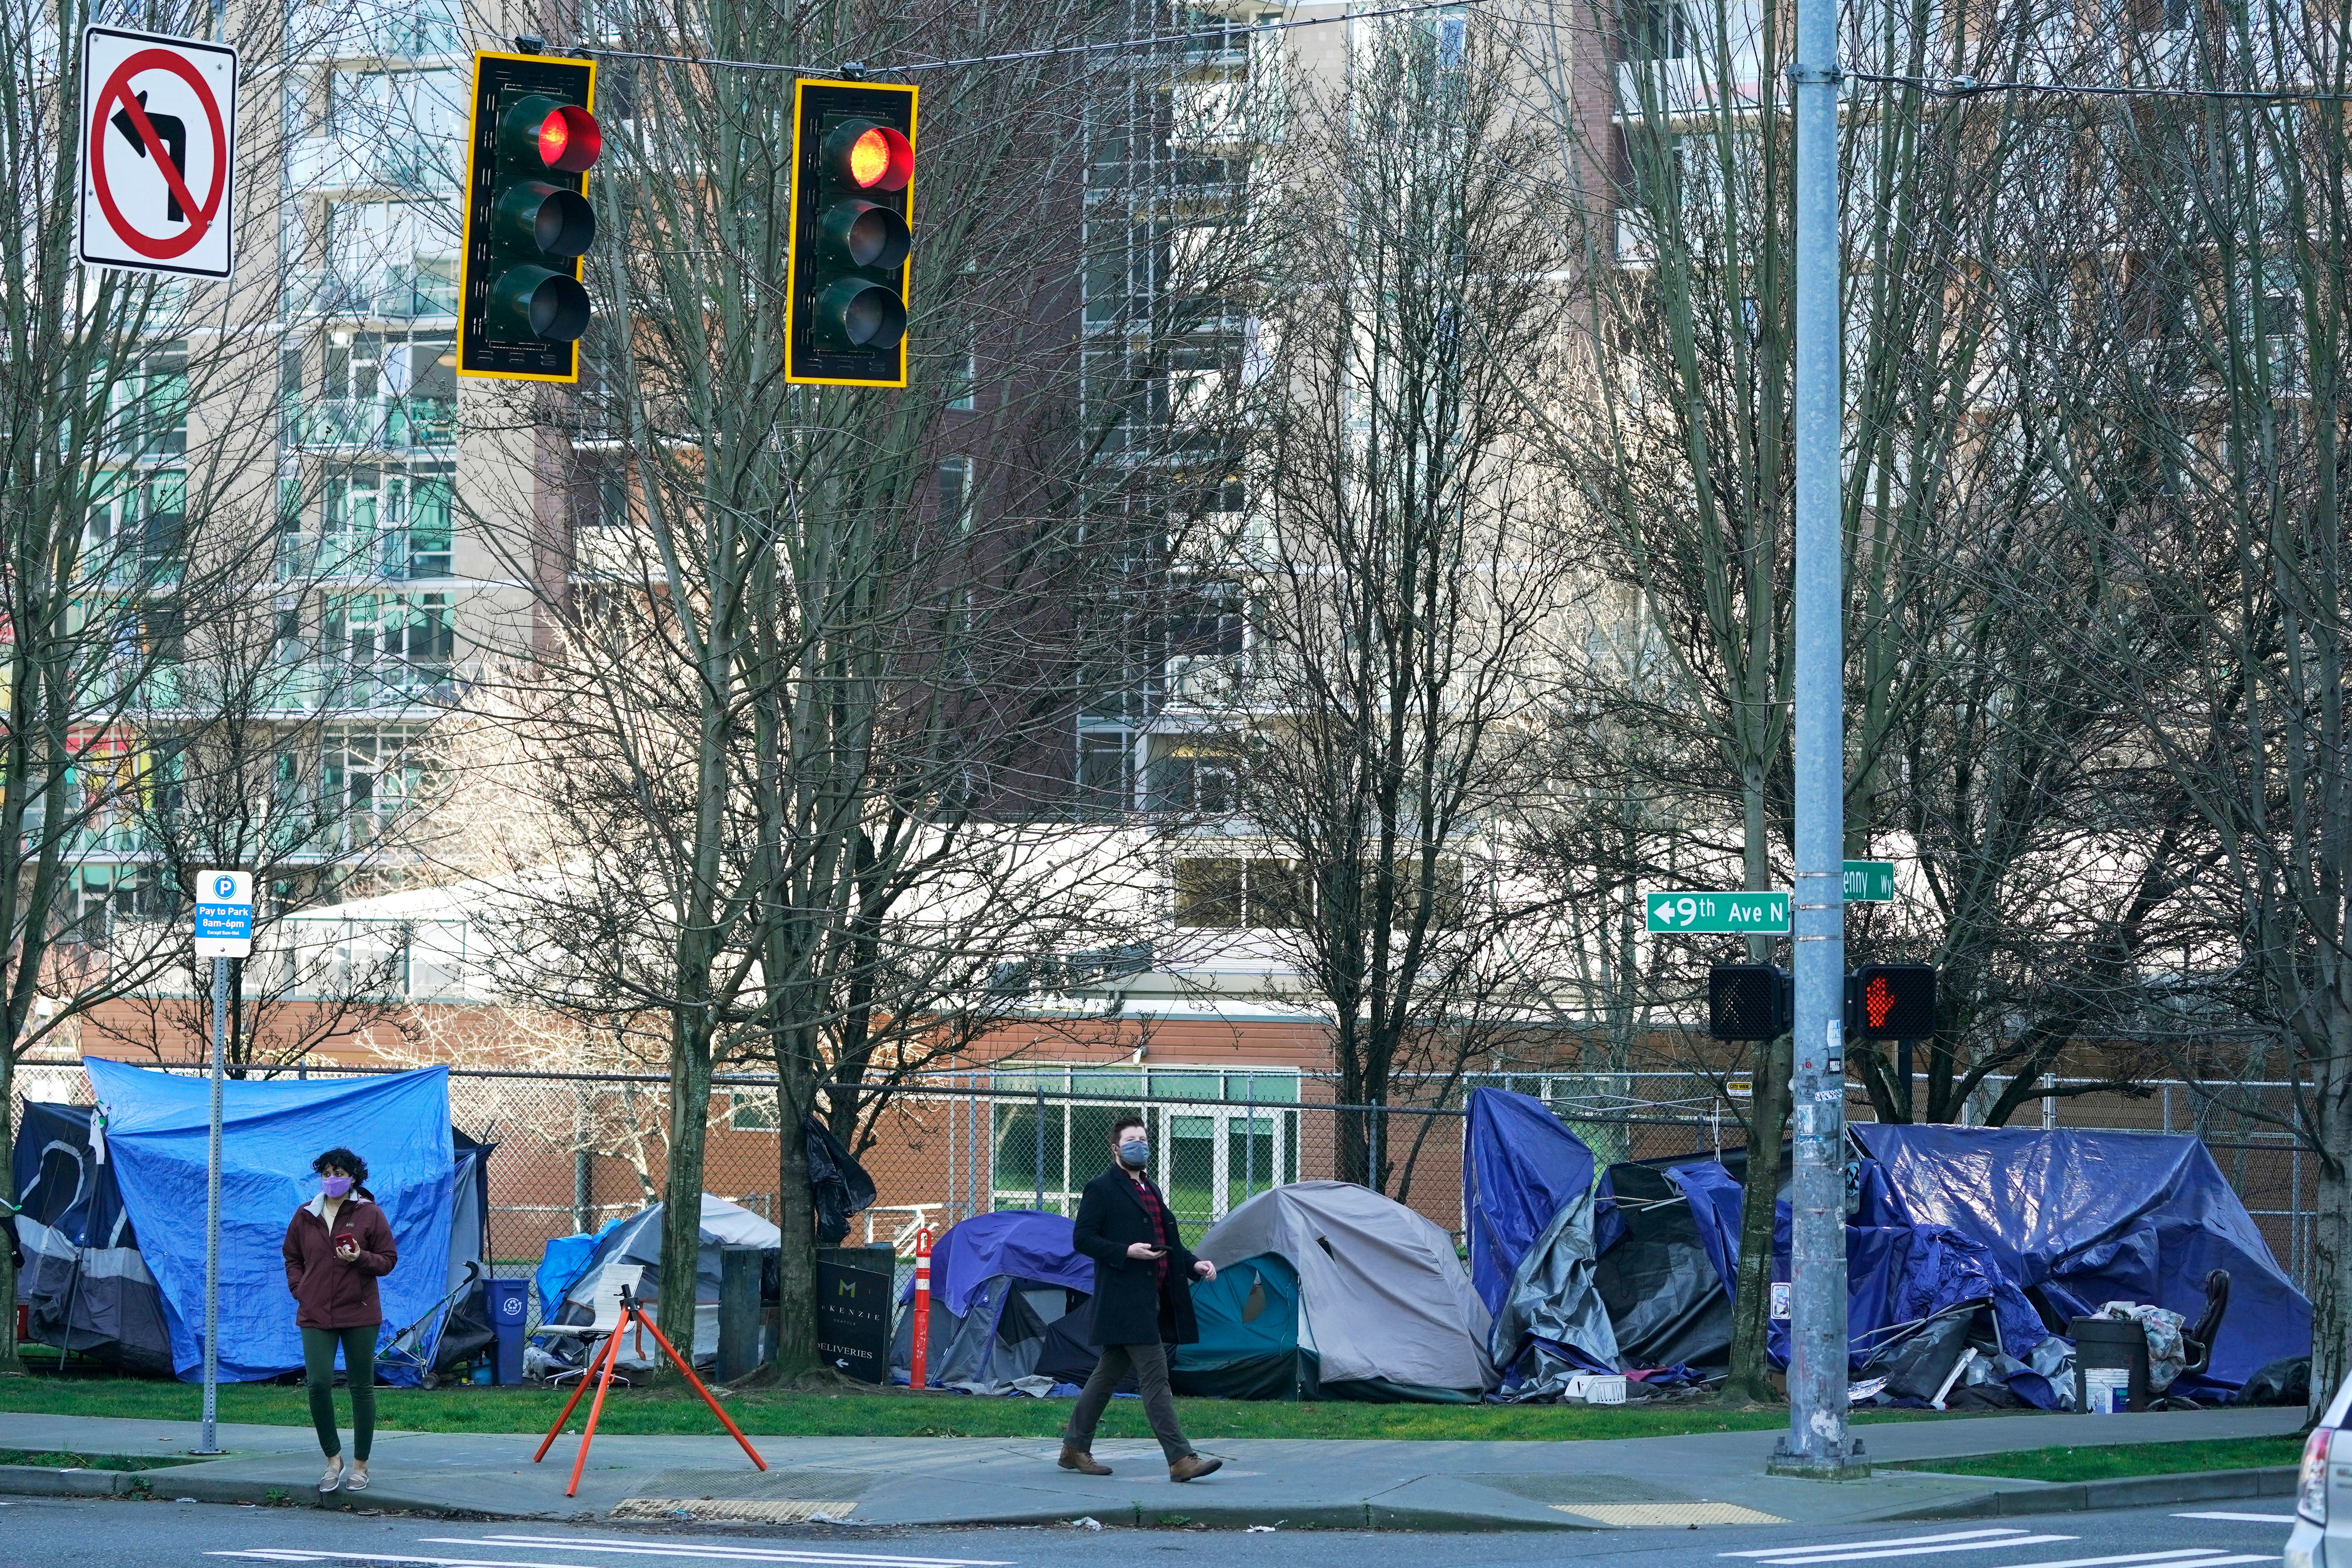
(853, 241)
(1891, 1002)
(1749, 1001)
(529, 148)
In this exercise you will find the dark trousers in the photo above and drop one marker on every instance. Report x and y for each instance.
(1151, 1365)
(359, 1369)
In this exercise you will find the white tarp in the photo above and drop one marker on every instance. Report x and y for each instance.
(631, 1256)
(1382, 1293)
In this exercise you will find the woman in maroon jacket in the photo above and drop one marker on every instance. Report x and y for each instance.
(337, 1247)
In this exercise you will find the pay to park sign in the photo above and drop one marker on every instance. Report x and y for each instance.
(158, 136)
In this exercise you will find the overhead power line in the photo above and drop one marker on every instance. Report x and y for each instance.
(1189, 35)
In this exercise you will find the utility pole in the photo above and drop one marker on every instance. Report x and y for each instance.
(1816, 1444)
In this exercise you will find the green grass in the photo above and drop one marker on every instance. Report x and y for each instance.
(2107, 1462)
(897, 1414)
(58, 1459)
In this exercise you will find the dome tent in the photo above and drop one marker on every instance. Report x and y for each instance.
(1382, 1305)
(999, 1282)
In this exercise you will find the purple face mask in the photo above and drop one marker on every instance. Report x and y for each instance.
(334, 1186)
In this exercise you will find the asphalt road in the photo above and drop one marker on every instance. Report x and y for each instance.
(44, 1533)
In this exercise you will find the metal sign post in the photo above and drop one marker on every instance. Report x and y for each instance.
(223, 931)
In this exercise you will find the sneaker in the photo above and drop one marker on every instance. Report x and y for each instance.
(357, 1481)
(333, 1478)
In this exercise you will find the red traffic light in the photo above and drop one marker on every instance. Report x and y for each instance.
(869, 157)
(562, 137)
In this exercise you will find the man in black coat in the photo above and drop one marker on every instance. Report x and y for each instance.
(1142, 1305)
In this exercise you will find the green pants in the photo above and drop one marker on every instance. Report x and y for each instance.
(359, 1366)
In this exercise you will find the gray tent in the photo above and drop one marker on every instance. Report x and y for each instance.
(1383, 1300)
(84, 1285)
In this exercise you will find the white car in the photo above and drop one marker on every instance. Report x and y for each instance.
(2323, 1494)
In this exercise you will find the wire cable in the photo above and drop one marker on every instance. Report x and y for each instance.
(1190, 36)
(1969, 86)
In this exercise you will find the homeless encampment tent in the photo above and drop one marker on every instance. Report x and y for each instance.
(1664, 1301)
(1527, 1202)
(2030, 1227)
(999, 1282)
(1250, 1346)
(156, 1141)
(83, 1284)
(629, 1253)
(1382, 1303)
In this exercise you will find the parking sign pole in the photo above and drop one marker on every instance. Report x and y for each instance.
(211, 1215)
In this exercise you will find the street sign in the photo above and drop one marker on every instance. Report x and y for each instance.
(223, 914)
(158, 136)
(1869, 881)
(1719, 914)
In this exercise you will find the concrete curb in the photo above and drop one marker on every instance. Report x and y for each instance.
(2027, 1497)
(173, 1482)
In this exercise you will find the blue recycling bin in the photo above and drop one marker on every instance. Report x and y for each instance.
(509, 1305)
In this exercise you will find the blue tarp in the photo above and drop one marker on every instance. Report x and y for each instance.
(565, 1260)
(1519, 1167)
(157, 1139)
(2088, 1217)
(1950, 1215)
(1027, 1243)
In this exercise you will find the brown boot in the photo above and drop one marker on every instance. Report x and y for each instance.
(1078, 1459)
(1192, 1466)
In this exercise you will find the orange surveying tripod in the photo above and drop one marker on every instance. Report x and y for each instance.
(605, 1358)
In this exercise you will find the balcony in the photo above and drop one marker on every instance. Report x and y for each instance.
(374, 424)
(393, 293)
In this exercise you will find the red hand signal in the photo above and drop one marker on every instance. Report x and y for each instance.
(1877, 1001)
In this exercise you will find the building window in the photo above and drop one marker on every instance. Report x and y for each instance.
(1229, 892)
(1103, 769)
(952, 504)
(1656, 30)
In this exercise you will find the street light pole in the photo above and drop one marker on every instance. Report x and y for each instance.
(1816, 1444)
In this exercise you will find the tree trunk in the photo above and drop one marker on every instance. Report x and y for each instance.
(2331, 1250)
(796, 1260)
(689, 1122)
(11, 1364)
(1750, 1378)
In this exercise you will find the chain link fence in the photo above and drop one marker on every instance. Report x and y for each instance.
(575, 1149)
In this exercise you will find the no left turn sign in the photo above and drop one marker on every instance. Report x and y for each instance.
(158, 152)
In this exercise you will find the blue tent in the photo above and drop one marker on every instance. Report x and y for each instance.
(1027, 1243)
(1000, 1284)
(271, 1132)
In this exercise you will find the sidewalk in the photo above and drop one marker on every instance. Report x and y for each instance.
(1660, 1482)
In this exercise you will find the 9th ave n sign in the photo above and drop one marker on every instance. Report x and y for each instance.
(158, 136)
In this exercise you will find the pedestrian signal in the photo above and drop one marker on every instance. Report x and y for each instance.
(1891, 1002)
(528, 222)
(853, 198)
(1749, 1001)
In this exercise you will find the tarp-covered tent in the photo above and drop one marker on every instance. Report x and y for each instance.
(1383, 1302)
(2080, 1218)
(85, 1287)
(630, 1254)
(1527, 1198)
(2036, 1226)
(157, 1138)
(999, 1282)
(459, 1329)
(1666, 1301)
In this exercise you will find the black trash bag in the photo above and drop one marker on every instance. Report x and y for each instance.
(2286, 1381)
(837, 1183)
(1917, 1368)
(1983, 1396)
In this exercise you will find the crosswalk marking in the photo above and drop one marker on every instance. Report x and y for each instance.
(2242, 1517)
(405, 1559)
(1792, 1556)
(2197, 1557)
(2011, 1532)
(730, 1552)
